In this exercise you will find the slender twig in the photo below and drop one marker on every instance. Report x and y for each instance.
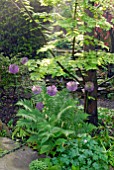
(73, 47)
(74, 38)
(16, 5)
(105, 81)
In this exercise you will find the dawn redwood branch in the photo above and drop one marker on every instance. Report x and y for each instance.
(105, 81)
(36, 24)
(29, 14)
(16, 5)
(31, 17)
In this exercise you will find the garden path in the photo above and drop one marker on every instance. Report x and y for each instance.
(17, 160)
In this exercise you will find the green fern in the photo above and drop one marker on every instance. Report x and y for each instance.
(27, 104)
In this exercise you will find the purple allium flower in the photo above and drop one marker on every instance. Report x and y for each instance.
(89, 86)
(72, 86)
(13, 68)
(36, 89)
(24, 60)
(39, 106)
(52, 90)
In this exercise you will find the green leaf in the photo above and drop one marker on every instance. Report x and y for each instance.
(60, 141)
(75, 168)
(60, 113)
(45, 149)
(67, 132)
(55, 167)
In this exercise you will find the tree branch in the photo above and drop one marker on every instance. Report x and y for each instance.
(66, 71)
(29, 14)
(74, 38)
(105, 81)
(15, 5)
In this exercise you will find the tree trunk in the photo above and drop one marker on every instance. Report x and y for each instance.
(90, 101)
(111, 66)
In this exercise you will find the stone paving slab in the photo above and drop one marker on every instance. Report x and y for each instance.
(18, 160)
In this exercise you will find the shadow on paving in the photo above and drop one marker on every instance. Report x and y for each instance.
(17, 160)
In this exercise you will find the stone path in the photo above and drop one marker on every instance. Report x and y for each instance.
(18, 160)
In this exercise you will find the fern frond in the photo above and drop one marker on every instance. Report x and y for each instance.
(27, 104)
(65, 109)
(27, 115)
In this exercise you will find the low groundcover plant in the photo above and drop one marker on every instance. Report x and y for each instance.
(37, 165)
(81, 154)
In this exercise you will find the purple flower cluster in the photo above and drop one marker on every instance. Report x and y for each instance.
(89, 86)
(13, 68)
(24, 60)
(36, 89)
(52, 90)
(72, 86)
(39, 106)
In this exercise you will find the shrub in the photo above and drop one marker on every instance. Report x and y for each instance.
(37, 165)
(18, 77)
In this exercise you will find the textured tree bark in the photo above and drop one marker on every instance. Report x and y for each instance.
(90, 101)
(112, 40)
(111, 66)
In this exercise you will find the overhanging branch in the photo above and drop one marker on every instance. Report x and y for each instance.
(52, 53)
(105, 81)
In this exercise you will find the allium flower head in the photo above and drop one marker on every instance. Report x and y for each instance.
(39, 106)
(52, 90)
(24, 60)
(36, 89)
(13, 68)
(72, 86)
(89, 86)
